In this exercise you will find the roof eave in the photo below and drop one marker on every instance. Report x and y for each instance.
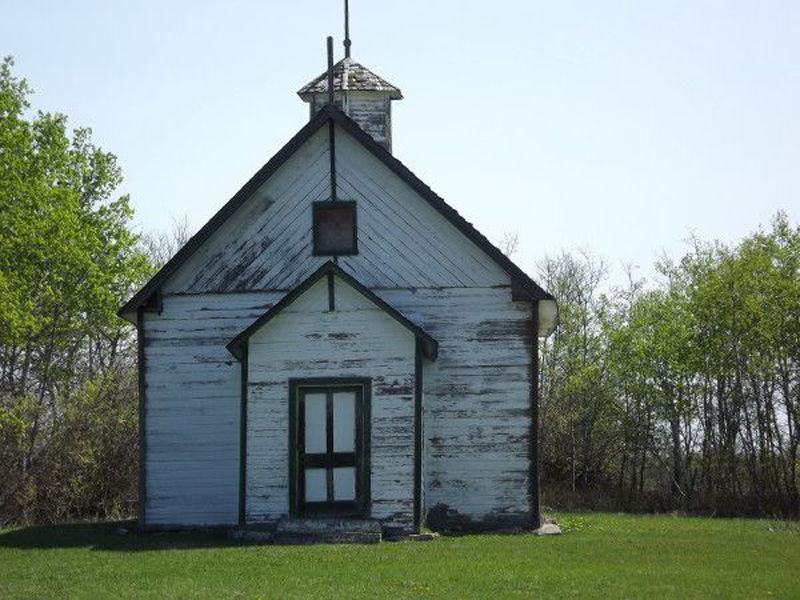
(307, 95)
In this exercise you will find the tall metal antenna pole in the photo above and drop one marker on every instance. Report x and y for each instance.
(331, 127)
(330, 70)
(347, 29)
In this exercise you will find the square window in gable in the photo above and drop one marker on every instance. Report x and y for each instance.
(335, 228)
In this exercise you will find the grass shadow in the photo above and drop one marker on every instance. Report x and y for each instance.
(108, 536)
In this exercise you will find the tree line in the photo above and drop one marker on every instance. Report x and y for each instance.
(677, 395)
(682, 394)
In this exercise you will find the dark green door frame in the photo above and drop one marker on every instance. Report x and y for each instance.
(299, 460)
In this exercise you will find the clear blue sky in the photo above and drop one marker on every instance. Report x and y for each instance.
(619, 126)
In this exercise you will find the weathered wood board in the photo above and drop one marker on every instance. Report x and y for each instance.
(192, 390)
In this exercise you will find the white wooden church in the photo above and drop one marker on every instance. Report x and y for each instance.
(337, 342)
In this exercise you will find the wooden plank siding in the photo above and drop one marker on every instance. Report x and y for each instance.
(263, 243)
(476, 401)
(476, 396)
(356, 340)
(192, 392)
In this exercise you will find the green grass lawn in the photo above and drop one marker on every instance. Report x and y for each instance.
(600, 555)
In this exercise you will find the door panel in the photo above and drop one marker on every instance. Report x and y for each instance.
(316, 485)
(344, 422)
(344, 484)
(315, 424)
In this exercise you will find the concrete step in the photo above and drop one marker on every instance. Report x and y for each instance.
(328, 531)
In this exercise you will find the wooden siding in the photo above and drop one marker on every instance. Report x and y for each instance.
(476, 396)
(260, 247)
(403, 241)
(476, 399)
(371, 110)
(192, 386)
(307, 340)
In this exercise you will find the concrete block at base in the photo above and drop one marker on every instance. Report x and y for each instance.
(423, 537)
(249, 535)
(549, 529)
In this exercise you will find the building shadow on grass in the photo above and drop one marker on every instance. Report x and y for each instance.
(109, 537)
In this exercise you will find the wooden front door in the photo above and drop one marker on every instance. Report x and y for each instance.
(330, 446)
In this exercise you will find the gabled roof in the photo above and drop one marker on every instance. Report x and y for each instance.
(349, 75)
(430, 347)
(330, 113)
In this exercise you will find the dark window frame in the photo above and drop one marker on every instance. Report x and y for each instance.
(316, 206)
(297, 462)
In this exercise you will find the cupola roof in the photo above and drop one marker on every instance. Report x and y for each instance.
(348, 75)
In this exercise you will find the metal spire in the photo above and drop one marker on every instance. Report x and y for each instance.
(330, 70)
(346, 29)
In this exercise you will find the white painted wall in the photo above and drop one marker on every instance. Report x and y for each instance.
(476, 398)
(476, 404)
(476, 395)
(371, 110)
(192, 391)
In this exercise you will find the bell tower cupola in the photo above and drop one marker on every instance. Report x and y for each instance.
(358, 92)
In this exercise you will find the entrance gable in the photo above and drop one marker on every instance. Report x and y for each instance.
(317, 297)
(319, 344)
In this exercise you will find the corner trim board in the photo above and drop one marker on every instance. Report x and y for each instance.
(533, 434)
(243, 440)
(140, 342)
(418, 438)
(293, 470)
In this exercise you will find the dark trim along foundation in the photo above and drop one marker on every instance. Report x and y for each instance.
(444, 519)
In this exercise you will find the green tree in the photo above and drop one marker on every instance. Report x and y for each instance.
(681, 394)
(67, 260)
